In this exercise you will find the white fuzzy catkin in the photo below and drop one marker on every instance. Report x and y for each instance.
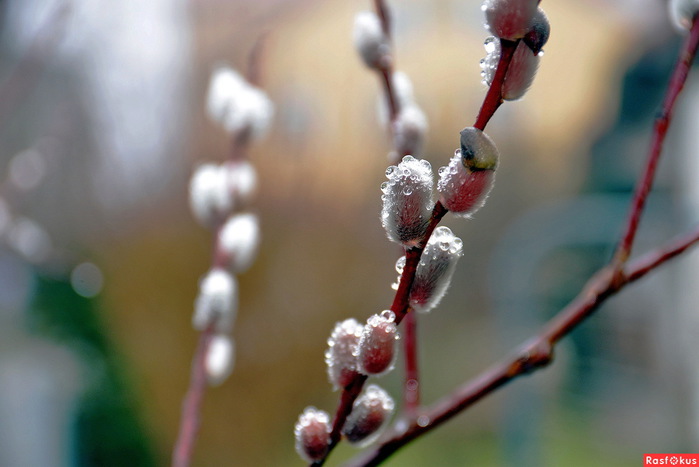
(210, 195)
(238, 106)
(238, 241)
(341, 355)
(242, 182)
(539, 32)
(509, 19)
(682, 13)
(377, 345)
(370, 40)
(371, 412)
(403, 92)
(466, 182)
(410, 129)
(220, 359)
(521, 72)
(435, 269)
(217, 302)
(312, 434)
(407, 200)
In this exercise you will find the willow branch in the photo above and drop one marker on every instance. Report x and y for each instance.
(191, 406)
(538, 352)
(533, 355)
(492, 101)
(662, 122)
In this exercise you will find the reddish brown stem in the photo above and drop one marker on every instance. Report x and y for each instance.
(191, 407)
(535, 354)
(662, 122)
(412, 258)
(384, 16)
(538, 352)
(493, 98)
(411, 388)
(491, 102)
(189, 425)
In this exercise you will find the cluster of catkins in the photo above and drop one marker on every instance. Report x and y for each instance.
(408, 203)
(219, 194)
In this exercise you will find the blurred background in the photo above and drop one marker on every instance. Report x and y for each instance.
(102, 120)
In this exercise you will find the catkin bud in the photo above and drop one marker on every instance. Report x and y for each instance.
(407, 200)
(242, 182)
(238, 241)
(220, 359)
(435, 270)
(312, 433)
(238, 106)
(520, 74)
(539, 32)
(217, 302)
(465, 183)
(377, 346)
(410, 129)
(403, 92)
(370, 415)
(341, 355)
(370, 40)
(682, 13)
(509, 19)
(209, 194)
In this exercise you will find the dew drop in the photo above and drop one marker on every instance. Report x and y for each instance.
(407, 190)
(490, 45)
(390, 170)
(388, 315)
(423, 420)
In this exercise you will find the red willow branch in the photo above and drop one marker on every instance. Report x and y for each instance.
(386, 67)
(538, 352)
(492, 101)
(534, 355)
(191, 406)
(662, 122)
(191, 409)
(493, 98)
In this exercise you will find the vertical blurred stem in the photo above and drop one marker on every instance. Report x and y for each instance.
(191, 407)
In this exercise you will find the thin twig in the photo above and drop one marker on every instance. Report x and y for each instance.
(538, 352)
(532, 356)
(493, 98)
(191, 406)
(662, 122)
(189, 424)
